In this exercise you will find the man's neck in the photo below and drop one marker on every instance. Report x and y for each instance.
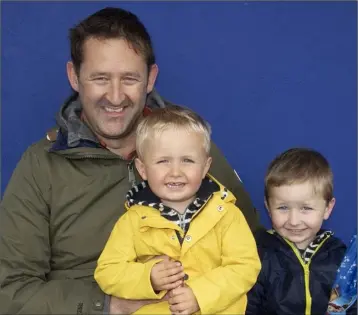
(123, 147)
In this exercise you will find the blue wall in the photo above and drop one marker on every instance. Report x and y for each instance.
(267, 76)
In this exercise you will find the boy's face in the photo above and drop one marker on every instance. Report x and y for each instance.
(174, 163)
(297, 212)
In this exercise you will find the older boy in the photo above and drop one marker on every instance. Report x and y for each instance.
(299, 259)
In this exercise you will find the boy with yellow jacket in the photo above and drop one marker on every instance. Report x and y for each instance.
(181, 212)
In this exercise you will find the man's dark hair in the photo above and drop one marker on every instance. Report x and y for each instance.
(111, 23)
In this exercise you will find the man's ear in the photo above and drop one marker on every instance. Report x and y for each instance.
(152, 76)
(140, 168)
(329, 208)
(72, 75)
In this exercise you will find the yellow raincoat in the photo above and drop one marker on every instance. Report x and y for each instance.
(218, 253)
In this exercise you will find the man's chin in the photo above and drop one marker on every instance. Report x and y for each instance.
(111, 133)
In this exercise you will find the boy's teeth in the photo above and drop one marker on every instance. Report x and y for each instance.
(118, 110)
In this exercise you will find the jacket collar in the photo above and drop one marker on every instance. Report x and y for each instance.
(312, 248)
(143, 195)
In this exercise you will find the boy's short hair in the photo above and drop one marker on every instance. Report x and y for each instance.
(298, 165)
(161, 119)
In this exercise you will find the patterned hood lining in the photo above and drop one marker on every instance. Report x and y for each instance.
(312, 247)
(144, 196)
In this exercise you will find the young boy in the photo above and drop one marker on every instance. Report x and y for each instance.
(183, 213)
(299, 259)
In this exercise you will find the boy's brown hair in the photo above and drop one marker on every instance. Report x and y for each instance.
(298, 165)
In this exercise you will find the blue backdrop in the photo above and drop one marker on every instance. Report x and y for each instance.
(267, 76)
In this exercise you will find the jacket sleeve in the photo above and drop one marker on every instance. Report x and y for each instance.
(217, 289)
(117, 271)
(25, 247)
(224, 173)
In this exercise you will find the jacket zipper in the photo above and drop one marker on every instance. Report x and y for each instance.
(306, 273)
(181, 220)
(88, 156)
(131, 176)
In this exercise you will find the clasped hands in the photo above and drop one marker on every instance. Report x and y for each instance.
(169, 275)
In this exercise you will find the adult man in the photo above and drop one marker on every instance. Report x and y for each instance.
(68, 190)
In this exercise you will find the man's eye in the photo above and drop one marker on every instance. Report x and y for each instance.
(129, 80)
(100, 79)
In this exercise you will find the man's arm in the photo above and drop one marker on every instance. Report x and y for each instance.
(25, 251)
(224, 173)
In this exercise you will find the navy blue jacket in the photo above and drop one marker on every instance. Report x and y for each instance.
(291, 282)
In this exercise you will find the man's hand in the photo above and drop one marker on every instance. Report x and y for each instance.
(183, 301)
(119, 306)
(167, 275)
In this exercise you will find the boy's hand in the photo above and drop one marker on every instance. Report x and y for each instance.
(167, 275)
(183, 301)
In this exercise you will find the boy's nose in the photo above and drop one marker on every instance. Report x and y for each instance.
(293, 217)
(175, 170)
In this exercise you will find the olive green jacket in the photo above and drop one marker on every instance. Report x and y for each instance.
(57, 212)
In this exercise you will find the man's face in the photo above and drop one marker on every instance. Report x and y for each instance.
(113, 83)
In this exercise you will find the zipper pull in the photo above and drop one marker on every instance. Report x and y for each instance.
(131, 176)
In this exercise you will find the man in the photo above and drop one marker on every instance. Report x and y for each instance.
(68, 190)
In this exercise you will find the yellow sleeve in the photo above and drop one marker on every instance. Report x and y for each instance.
(117, 271)
(219, 288)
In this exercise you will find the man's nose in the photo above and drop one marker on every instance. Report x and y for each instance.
(115, 93)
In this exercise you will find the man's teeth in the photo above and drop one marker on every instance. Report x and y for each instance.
(112, 110)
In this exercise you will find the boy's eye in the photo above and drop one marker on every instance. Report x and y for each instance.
(162, 161)
(282, 208)
(306, 208)
(188, 161)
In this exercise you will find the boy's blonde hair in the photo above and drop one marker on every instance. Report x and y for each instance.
(161, 119)
(298, 165)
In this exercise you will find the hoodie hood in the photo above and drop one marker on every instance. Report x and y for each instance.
(142, 194)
